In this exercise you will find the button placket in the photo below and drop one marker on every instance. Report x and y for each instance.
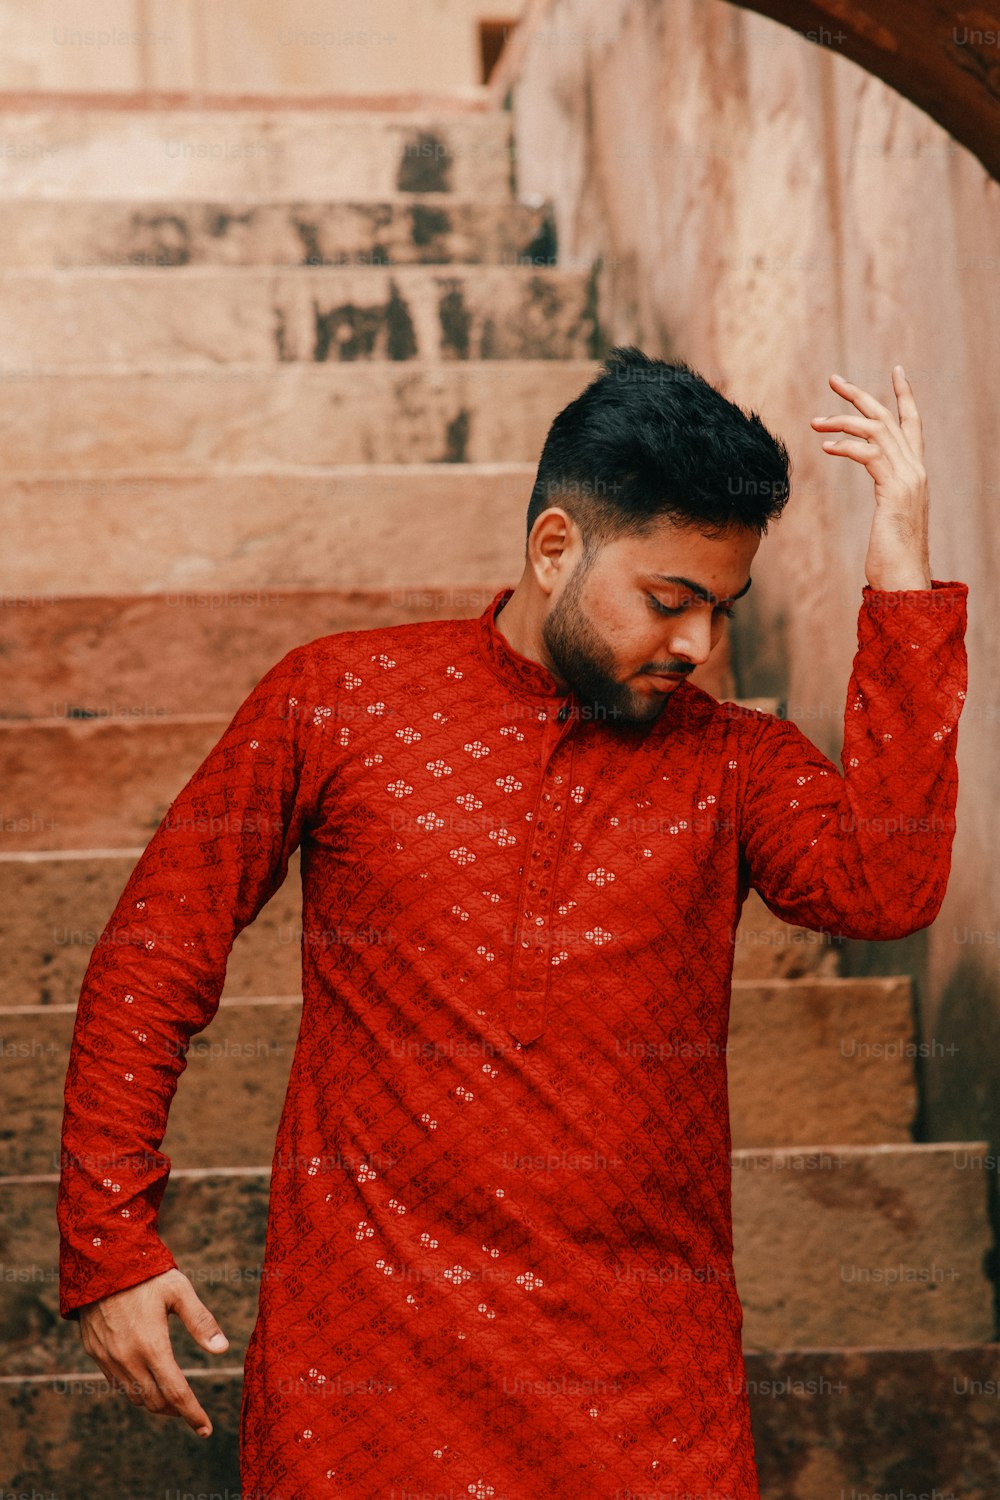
(530, 968)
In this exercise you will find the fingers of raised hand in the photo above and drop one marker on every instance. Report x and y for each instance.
(881, 436)
(906, 430)
(909, 416)
(863, 400)
(868, 454)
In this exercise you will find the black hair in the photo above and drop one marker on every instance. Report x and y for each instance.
(649, 441)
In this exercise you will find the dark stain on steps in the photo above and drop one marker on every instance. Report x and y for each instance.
(428, 224)
(219, 222)
(455, 321)
(543, 249)
(402, 338)
(457, 438)
(347, 332)
(308, 233)
(425, 165)
(168, 243)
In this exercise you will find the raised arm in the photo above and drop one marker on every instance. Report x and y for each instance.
(867, 854)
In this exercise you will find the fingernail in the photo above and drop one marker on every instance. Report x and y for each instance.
(218, 1341)
(838, 377)
(204, 1431)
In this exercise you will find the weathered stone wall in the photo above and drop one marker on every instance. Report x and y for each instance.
(769, 212)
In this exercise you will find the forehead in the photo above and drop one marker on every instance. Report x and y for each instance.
(670, 551)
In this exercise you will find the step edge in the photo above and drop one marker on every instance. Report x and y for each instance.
(213, 272)
(234, 369)
(472, 98)
(206, 472)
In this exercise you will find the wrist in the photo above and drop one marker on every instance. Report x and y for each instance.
(898, 580)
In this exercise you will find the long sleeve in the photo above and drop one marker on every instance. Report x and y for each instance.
(157, 972)
(867, 854)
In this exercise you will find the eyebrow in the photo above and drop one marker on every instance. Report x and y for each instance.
(696, 588)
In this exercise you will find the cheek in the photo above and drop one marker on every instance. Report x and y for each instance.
(631, 635)
(622, 623)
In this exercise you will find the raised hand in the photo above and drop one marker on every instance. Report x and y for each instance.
(892, 450)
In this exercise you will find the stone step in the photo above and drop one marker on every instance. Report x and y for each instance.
(191, 155)
(95, 784)
(835, 1247)
(463, 411)
(838, 1245)
(842, 1424)
(54, 907)
(422, 229)
(252, 531)
(845, 1041)
(194, 316)
(126, 656)
(820, 1057)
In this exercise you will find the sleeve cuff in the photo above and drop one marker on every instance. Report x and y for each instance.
(960, 590)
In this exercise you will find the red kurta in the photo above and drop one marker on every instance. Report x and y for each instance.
(499, 1252)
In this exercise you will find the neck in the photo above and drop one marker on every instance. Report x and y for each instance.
(521, 629)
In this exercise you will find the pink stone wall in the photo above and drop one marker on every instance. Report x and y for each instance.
(771, 213)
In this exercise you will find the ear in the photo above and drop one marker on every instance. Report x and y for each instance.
(553, 547)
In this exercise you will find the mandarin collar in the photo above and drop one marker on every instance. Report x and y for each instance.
(520, 673)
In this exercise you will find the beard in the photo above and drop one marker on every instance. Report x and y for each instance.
(587, 663)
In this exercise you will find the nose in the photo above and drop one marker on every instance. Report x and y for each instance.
(693, 637)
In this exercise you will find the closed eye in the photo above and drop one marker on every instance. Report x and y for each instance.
(664, 609)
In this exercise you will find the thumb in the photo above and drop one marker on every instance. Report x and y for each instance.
(196, 1317)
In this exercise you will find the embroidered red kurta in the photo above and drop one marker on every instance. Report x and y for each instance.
(499, 1250)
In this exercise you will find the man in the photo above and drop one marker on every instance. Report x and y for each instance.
(499, 1253)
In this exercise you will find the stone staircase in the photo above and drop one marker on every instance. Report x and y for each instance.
(267, 376)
